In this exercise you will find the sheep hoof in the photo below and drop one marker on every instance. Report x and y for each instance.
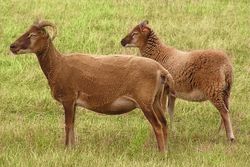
(232, 140)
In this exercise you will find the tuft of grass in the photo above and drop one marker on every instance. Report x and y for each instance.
(31, 122)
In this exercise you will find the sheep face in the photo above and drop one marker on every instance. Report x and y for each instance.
(138, 36)
(32, 41)
(35, 40)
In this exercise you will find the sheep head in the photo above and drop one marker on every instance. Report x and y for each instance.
(35, 40)
(138, 36)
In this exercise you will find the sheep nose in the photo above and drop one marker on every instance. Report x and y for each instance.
(123, 42)
(13, 46)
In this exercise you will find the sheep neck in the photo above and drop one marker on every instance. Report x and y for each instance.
(49, 60)
(155, 49)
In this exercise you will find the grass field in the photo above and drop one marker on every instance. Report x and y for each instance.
(32, 123)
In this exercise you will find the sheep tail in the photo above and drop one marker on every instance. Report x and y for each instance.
(229, 82)
(168, 80)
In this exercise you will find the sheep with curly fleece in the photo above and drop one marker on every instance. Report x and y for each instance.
(199, 75)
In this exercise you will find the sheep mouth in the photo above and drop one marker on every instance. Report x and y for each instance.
(129, 45)
(15, 50)
(20, 51)
(124, 43)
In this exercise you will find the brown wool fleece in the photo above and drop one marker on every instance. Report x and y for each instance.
(198, 75)
(206, 70)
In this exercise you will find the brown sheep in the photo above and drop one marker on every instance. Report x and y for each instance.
(108, 85)
(198, 75)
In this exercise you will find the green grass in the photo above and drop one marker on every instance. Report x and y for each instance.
(31, 122)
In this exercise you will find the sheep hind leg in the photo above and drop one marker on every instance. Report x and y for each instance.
(226, 102)
(164, 101)
(69, 109)
(221, 126)
(151, 116)
(219, 104)
(171, 103)
(161, 116)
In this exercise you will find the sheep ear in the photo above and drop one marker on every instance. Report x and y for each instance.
(143, 25)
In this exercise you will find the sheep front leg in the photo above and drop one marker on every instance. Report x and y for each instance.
(69, 109)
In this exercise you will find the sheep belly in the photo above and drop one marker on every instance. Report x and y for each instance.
(122, 105)
(119, 106)
(194, 95)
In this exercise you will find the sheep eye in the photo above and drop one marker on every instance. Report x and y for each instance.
(32, 35)
(134, 34)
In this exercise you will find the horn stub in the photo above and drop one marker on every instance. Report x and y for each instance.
(43, 23)
(144, 22)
